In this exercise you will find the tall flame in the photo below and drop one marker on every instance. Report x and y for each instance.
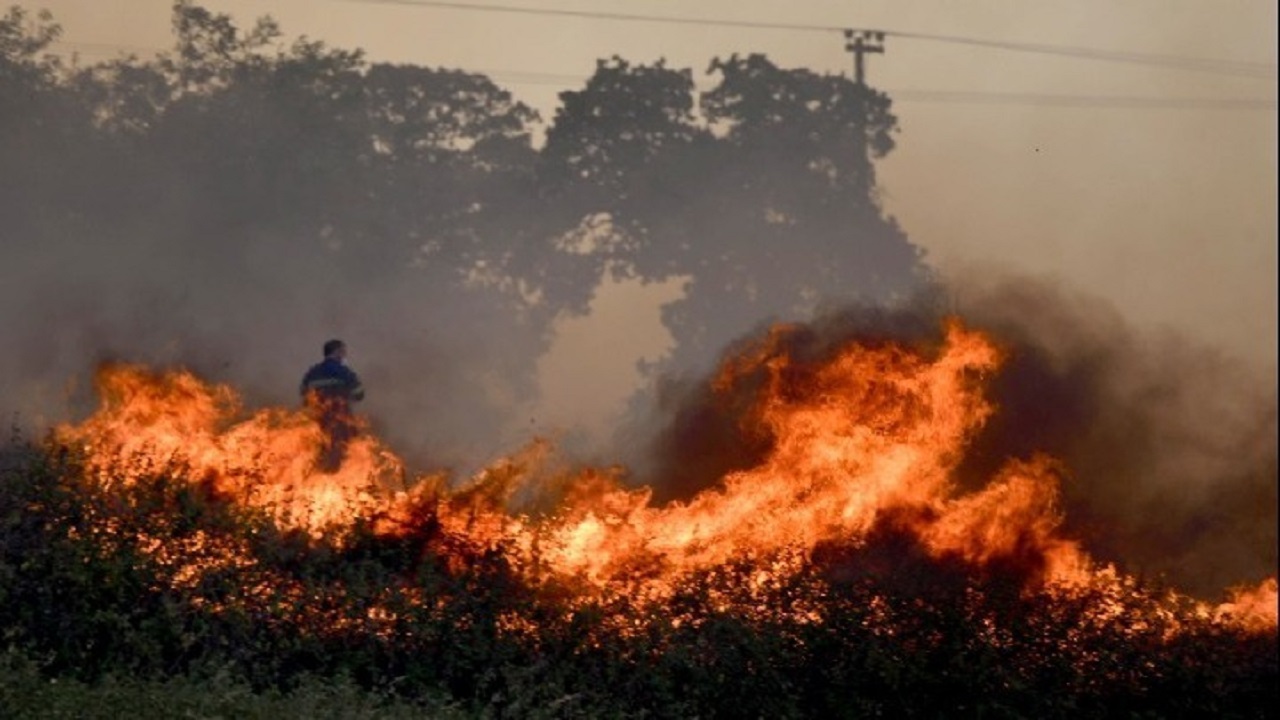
(871, 434)
(871, 431)
(266, 460)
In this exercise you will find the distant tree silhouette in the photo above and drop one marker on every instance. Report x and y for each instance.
(201, 193)
(619, 153)
(42, 127)
(239, 172)
(762, 199)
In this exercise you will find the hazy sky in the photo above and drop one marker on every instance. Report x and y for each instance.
(1153, 187)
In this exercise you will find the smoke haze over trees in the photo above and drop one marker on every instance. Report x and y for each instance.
(231, 204)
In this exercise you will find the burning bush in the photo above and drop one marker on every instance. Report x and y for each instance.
(846, 573)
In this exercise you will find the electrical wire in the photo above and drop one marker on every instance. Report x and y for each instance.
(1133, 102)
(1206, 65)
(913, 95)
(969, 97)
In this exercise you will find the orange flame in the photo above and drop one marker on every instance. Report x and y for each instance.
(872, 433)
(873, 430)
(266, 460)
(1251, 608)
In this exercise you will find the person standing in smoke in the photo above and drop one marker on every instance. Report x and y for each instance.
(328, 389)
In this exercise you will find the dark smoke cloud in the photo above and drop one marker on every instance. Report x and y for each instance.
(1170, 447)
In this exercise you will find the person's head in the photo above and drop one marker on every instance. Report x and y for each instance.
(335, 349)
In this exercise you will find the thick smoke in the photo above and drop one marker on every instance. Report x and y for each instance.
(256, 324)
(250, 307)
(1169, 447)
(212, 259)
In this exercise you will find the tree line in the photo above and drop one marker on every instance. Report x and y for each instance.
(244, 171)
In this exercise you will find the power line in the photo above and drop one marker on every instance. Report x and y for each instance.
(1084, 101)
(954, 97)
(1226, 67)
(597, 15)
(970, 97)
(1206, 65)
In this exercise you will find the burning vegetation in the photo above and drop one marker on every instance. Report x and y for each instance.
(846, 571)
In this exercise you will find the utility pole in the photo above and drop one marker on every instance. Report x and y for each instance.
(862, 42)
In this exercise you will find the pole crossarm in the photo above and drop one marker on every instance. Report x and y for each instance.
(862, 42)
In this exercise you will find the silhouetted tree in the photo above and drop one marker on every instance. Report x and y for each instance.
(762, 199)
(239, 173)
(619, 153)
(238, 182)
(42, 128)
(794, 220)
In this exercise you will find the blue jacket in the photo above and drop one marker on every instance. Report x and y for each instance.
(331, 382)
